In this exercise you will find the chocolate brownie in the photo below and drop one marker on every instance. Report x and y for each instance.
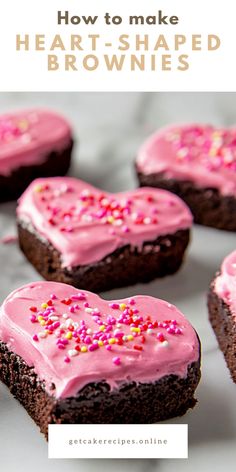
(222, 310)
(135, 360)
(74, 233)
(34, 143)
(198, 163)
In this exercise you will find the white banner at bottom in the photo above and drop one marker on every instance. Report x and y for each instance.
(113, 441)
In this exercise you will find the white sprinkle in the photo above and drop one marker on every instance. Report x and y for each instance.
(42, 334)
(54, 318)
(68, 322)
(164, 344)
(64, 188)
(65, 316)
(88, 310)
(118, 222)
(86, 192)
(73, 353)
(147, 221)
(89, 331)
(87, 218)
(149, 331)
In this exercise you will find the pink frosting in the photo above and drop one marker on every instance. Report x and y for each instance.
(85, 224)
(139, 339)
(225, 283)
(201, 154)
(26, 138)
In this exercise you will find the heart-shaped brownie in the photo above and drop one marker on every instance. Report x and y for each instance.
(27, 137)
(86, 224)
(71, 338)
(222, 310)
(204, 155)
(33, 143)
(198, 163)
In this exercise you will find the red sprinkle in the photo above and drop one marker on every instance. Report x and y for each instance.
(33, 309)
(138, 347)
(161, 337)
(66, 301)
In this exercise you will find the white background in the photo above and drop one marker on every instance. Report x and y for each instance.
(27, 71)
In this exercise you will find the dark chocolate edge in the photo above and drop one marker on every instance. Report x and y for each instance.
(166, 398)
(224, 326)
(208, 206)
(125, 266)
(56, 163)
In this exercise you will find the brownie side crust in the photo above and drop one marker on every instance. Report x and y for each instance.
(208, 206)
(125, 266)
(96, 404)
(56, 163)
(224, 326)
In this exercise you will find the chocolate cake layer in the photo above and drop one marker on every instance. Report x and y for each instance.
(224, 326)
(55, 164)
(208, 206)
(132, 403)
(125, 266)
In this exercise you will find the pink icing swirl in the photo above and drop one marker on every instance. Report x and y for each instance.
(202, 154)
(225, 283)
(86, 224)
(27, 137)
(73, 338)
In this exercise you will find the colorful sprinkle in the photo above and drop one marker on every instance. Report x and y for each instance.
(96, 330)
(116, 360)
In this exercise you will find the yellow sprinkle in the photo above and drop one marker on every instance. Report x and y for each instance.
(23, 125)
(112, 340)
(100, 343)
(135, 330)
(42, 323)
(69, 335)
(38, 188)
(84, 349)
(40, 318)
(110, 219)
(212, 152)
(44, 305)
(122, 306)
(130, 337)
(102, 327)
